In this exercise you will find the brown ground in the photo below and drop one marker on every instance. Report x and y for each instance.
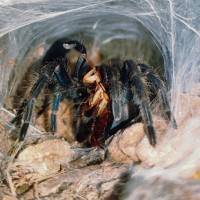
(51, 168)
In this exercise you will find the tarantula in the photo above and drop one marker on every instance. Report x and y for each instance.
(99, 93)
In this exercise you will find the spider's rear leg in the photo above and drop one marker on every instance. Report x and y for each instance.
(157, 87)
(134, 78)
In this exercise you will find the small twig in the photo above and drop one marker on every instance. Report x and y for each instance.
(49, 176)
(10, 182)
(14, 151)
(36, 192)
(81, 197)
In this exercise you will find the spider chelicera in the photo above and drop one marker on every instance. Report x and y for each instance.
(99, 93)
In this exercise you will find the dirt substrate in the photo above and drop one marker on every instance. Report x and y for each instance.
(48, 167)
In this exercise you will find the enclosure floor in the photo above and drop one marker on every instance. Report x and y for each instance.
(48, 167)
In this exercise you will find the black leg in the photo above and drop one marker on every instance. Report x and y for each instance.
(27, 119)
(80, 69)
(28, 104)
(157, 87)
(166, 107)
(55, 107)
(134, 78)
(34, 93)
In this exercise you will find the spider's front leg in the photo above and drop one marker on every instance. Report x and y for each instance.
(26, 108)
(133, 77)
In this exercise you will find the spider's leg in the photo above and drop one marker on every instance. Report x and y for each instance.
(65, 81)
(80, 69)
(167, 109)
(34, 92)
(55, 107)
(28, 104)
(27, 119)
(157, 87)
(134, 78)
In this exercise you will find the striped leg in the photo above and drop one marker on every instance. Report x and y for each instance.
(55, 107)
(134, 78)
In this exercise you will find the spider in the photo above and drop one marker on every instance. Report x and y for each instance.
(99, 93)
